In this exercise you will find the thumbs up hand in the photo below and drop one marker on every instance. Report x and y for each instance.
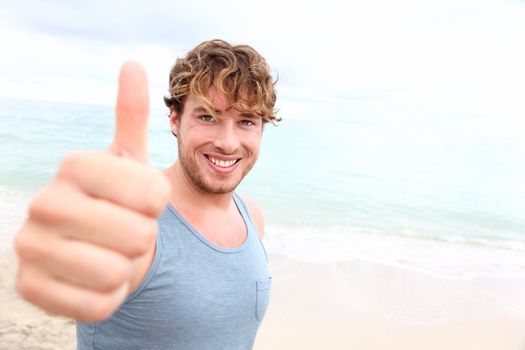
(86, 229)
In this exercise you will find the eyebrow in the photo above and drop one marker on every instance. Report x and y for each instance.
(201, 110)
(249, 115)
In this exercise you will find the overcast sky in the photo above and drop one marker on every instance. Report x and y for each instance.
(335, 59)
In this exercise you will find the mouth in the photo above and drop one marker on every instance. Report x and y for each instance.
(224, 164)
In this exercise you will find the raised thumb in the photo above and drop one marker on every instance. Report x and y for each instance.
(131, 132)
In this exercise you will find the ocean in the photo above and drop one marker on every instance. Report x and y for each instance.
(443, 195)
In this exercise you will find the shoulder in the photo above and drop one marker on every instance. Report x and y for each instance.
(256, 214)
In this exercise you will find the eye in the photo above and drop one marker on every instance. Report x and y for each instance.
(246, 122)
(207, 118)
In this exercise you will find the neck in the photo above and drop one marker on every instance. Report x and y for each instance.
(186, 195)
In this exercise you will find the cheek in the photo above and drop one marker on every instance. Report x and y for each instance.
(193, 140)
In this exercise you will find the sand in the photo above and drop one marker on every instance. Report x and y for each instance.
(24, 327)
(353, 304)
(356, 305)
(346, 305)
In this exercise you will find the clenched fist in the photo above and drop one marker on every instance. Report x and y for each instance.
(90, 233)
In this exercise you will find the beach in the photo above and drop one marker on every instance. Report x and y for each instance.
(392, 186)
(25, 327)
(369, 306)
(332, 306)
(352, 304)
(399, 237)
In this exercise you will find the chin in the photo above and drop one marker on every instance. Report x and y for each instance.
(222, 189)
(213, 186)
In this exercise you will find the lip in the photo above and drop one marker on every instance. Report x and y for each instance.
(218, 169)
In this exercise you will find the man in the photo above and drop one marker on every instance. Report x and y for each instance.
(145, 259)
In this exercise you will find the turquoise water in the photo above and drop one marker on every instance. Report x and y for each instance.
(444, 179)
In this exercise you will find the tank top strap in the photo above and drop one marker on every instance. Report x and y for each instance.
(243, 209)
(252, 229)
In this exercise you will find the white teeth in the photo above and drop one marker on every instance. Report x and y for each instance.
(222, 163)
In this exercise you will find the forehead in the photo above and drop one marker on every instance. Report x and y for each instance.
(219, 103)
(218, 99)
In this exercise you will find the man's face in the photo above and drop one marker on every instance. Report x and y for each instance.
(216, 151)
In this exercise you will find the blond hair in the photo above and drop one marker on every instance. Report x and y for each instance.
(239, 72)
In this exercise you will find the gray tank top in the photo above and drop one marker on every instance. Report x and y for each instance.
(195, 295)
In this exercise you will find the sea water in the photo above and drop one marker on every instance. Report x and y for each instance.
(445, 196)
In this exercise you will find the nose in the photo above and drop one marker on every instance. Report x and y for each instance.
(226, 138)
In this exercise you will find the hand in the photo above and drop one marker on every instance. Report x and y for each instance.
(85, 229)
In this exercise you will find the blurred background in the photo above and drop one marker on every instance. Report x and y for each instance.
(401, 119)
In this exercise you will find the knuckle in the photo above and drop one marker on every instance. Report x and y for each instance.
(27, 248)
(41, 207)
(20, 243)
(70, 164)
(48, 205)
(26, 287)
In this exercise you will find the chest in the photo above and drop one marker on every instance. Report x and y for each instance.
(195, 295)
(226, 231)
(197, 289)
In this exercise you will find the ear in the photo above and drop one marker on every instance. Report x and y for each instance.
(174, 122)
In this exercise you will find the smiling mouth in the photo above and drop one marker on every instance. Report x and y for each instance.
(222, 163)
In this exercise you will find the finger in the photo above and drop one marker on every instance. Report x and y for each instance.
(132, 113)
(142, 189)
(75, 262)
(95, 221)
(61, 298)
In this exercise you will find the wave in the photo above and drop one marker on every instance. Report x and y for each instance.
(450, 257)
(444, 255)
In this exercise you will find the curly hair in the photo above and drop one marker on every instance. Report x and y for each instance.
(239, 72)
